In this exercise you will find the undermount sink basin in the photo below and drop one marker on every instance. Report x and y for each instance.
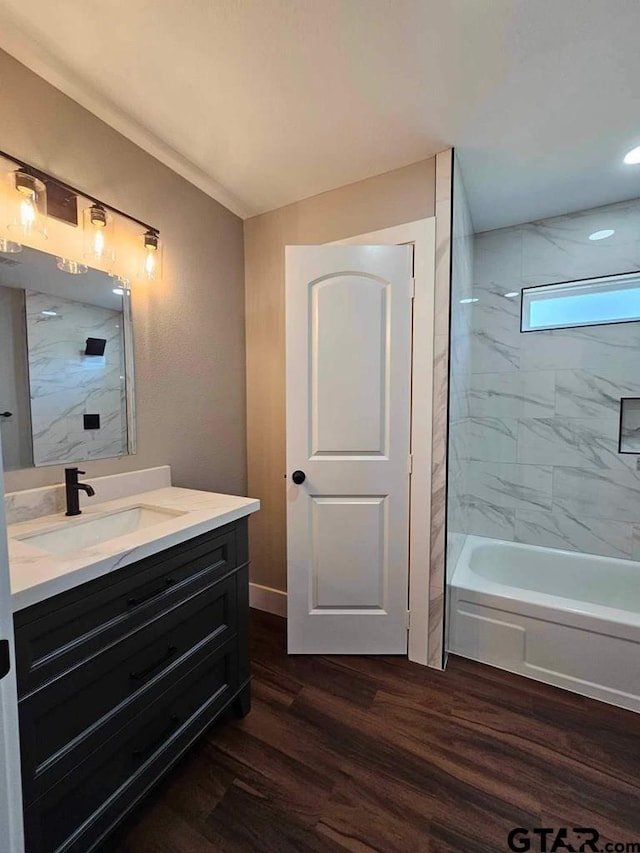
(71, 536)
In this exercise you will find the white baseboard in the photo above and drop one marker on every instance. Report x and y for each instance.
(267, 599)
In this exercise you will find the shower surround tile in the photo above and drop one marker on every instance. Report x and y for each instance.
(560, 529)
(588, 347)
(479, 517)
(493, 351)
(560, 390)
(611, 495)
(577, 442)
(512, 395)
(511, 486)
(559, 249)
(497, 260)
(490, 440)
(594, 393)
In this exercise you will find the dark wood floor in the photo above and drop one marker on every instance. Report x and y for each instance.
(376, 753)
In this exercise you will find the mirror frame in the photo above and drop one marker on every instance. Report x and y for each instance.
(129, 376)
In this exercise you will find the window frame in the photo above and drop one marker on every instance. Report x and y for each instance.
(634, 274)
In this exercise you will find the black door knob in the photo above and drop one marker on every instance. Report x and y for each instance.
(5, 414)
(298, 477)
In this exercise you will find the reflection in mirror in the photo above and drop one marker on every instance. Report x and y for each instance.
(66, 363)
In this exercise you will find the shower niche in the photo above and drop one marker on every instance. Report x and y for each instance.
(629, 439)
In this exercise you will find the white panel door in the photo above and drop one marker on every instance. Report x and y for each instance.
(348, 332)
(11, 838)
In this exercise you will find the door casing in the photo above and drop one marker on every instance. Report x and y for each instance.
(422, 234)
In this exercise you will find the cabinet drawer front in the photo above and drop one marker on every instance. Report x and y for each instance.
(53, 636)
(65, 720)
(75, 813)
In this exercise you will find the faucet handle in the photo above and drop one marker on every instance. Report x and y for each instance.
(81, 473)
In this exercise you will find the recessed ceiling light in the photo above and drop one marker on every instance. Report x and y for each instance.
(602, 235)
(512, 293)
(49, 313)
(632, 157)
(118, 291)
(468, 301)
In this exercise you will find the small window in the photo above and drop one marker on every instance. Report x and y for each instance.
(589, 302)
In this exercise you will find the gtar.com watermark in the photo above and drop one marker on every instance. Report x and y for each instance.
(576, 839)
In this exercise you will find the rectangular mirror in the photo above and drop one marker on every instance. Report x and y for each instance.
(66, 363)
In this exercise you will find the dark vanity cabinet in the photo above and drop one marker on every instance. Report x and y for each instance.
(117, 678)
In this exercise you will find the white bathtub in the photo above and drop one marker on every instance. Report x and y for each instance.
(572, 620)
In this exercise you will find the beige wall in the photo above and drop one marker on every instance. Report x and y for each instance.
(189, 329)
(403, 195)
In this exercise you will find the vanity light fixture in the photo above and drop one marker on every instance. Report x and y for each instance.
(28, 206)
(70, 266)
(27, 195)
(98, 234)
(602, 235)
(152, 255)
(632, 158)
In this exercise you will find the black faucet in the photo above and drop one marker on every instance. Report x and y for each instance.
(73, 488)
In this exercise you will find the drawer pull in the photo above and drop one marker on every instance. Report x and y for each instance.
(145, 752)
(136, 602)
(143, 673)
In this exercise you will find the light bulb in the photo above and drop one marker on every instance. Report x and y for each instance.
(150, 263)
(98, 230)
(27, 214)
(151, 255)
(98, 243)
(28, 205)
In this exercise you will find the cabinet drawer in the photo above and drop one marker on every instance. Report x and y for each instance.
(76, 813)
(55, 635)
(64, 721)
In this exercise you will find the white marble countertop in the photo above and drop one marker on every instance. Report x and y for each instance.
(37, 575)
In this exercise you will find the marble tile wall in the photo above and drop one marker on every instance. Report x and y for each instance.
(65, 384)
(454, 262)
(438, 520)
(538, 413)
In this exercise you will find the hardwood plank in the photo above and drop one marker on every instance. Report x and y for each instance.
(161, 830)
(378, 754)
(244, 820)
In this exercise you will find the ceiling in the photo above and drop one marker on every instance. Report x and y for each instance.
(264, 102)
